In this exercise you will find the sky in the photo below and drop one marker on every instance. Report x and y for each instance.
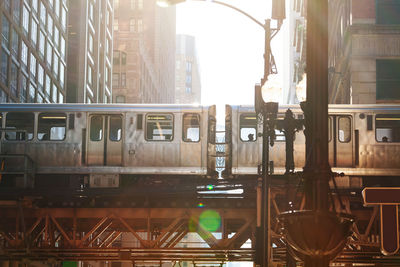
(230, 47)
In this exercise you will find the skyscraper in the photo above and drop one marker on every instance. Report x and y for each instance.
(144, 52)
(90, 48)
(33, 50)
(364, 51)
(187, 82)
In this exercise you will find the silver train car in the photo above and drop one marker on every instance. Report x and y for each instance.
(364, 140)
(102, 142)
(96, 144)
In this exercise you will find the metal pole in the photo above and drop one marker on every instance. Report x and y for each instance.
(265, 188)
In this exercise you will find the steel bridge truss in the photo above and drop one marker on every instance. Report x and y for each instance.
(123, 234)
(166, 231)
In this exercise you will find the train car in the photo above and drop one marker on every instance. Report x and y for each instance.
(99, 143)
(364, 140)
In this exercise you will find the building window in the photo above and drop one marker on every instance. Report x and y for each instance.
(62, 74)
(14, 42)
(34, 28)
(43, 13)
(4, 68)
(25, 19)
(387, 12)
(54, 94)
(115, 80)
(5, 31)
(132, 25)
(120, 99)
(16, 10)
(188, 66)
(14, 80)
(50, 25)
(188, 79)
(22, 88)
(62, 47)
(63, 18)
(35, 5)
(116, 58)
(133, 4)
(115, 24)
(49, 55)
(123, 58)
(140, 4)
(56, 36)
(57, 7)
(56, 61)
(41, 43)
(188, 90)
(140, 25)
(123, 80)
(387, 79)
(48, 86)
(32, 65)
(40, 77)
(31, 93)
(24, 54)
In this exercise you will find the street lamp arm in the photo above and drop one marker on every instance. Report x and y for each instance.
(237, 9)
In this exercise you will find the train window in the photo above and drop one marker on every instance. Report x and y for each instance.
(248, 127)
(344, 129)
(191, 127)
(387, 127)
(51, 126)
(1, 123)
(23, 123)
(115, 128)
(96, 128)
(159, 127)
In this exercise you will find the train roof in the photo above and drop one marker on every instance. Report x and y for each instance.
(179, 107)
(101, 107)
(332, 107)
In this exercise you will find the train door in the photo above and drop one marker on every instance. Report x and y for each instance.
(104, 143)
(191, 143)
(341, 141)
(248, 142)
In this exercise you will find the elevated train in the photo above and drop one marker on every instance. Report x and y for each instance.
(101, 145)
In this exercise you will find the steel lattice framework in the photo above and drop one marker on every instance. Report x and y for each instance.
(113, 229)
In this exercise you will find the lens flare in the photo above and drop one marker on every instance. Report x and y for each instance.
(200, 205)
(210, 187)
(210, 220)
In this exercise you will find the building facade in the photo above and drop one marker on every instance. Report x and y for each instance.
(90, 51)
(144, 52)
(187, 80)
(33, 51)
(364, 50)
